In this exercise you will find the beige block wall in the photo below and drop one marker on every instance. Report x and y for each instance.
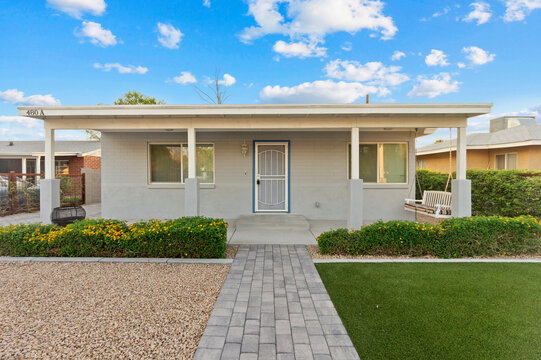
(476, 159)
(529, 158)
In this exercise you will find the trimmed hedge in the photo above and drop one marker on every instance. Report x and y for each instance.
(494, 192)
(452, 238)
(189, 237)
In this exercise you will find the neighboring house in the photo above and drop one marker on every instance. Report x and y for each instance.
(352, 162)
(513, 142)
(70, 156)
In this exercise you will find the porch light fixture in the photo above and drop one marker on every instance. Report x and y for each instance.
(244, 149)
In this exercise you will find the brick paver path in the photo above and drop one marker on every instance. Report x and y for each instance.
(273, 305)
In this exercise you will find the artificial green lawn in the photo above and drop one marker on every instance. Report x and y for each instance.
(439, 311)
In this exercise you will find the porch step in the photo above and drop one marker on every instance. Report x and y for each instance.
(272, 229)
(273, 221)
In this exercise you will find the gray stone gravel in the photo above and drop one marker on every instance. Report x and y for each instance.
(105, 310)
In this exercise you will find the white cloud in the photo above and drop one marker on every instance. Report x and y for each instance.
(321, 91)
(122, 69)
(28, 123)
(374, 73)
(437, 85)
(206, 3)
(314, 19)
(228, 80)
(461, 65)
(76, 8)
(169, 36)
(436, 58)
(517, 10)
(397, 55)
(480, 13)
(478, 56)
(437, 14)
(185, 78)
(97, 35)
(299, 49)
(347, 46)
(14, 96)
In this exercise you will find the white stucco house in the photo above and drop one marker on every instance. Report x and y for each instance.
(352, 162)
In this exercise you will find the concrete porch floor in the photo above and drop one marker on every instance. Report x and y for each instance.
(285, 229)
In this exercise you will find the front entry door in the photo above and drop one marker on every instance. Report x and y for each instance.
(271, 188)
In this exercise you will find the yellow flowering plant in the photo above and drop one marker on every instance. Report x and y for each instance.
(197, 237)
(452, 238)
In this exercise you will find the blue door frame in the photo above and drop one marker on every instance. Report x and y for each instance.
(288, 171)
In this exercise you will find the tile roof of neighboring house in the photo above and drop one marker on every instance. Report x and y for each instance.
(28, 148)
(516, 136)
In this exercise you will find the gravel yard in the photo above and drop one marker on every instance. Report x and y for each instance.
(105, 310)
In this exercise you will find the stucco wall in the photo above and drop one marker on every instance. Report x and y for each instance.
(476, 159)
(528, 157)
(318, 173)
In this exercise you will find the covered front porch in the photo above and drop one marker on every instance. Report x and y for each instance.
(347, 164)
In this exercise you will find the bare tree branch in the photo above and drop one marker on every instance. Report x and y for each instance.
(216, 93)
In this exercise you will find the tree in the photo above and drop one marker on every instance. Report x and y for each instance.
(136, 98)
(216, 93)
(129, 98)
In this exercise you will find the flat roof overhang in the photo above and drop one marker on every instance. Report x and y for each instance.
(256, 117)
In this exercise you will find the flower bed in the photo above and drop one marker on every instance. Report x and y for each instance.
(452, 238)
(189, 237)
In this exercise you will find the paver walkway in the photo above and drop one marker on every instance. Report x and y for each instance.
(273, 305)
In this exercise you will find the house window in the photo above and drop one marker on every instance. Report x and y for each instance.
(506, 161)
(30, 166)
(421, 164)
(169, 163)
(62, 167)
(382, 163)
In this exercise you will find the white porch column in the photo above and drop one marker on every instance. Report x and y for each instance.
(191, 186)
(38, 166)
(23, 167)
(355, 213)
(49, 187)
(354, 153)
(461, 187)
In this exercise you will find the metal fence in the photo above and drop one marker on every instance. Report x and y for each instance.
(19, 192)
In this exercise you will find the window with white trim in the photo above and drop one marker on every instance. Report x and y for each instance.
(506, 161)
(382, 163)
(168, 163)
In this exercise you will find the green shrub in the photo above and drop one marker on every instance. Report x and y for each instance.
(494, 192)
(452, 238)
(190, 237)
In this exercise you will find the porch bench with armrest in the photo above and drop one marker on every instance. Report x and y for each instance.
(434, 203)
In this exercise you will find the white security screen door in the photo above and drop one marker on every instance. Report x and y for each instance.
(271, 176)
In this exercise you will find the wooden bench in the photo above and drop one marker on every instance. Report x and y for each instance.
(434, 203)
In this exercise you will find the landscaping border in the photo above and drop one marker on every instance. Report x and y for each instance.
(116, 260)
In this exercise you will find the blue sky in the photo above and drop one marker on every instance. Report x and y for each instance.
(268, 51)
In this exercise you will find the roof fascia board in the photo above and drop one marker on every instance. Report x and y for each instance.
(44, 112)
(257, 123)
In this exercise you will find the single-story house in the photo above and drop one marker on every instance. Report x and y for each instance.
(29, 156)
(352, 162)
(513, 142)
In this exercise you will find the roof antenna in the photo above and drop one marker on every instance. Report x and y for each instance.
(367, 100)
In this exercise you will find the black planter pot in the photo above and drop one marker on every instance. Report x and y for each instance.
(63, 216)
